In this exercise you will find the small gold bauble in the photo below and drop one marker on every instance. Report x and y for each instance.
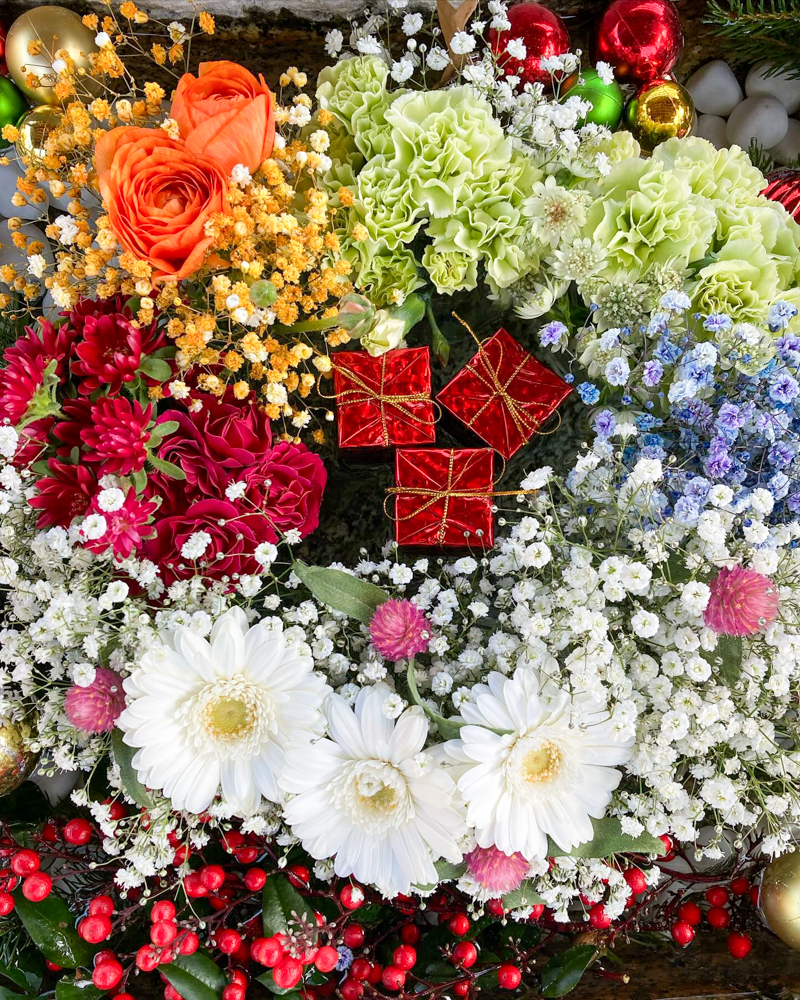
(780, 898)
(34, 129)
(16, 761)
(51, 29)
(661, 110)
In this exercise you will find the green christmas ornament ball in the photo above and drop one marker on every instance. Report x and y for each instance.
(12, 104)
(606, 98)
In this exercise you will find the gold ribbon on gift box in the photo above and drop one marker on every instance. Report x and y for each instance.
(525, 423)
(365, 393)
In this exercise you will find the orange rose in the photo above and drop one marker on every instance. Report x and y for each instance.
(159, 196)
(227, 114)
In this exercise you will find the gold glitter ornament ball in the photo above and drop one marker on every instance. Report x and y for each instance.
(16, 761)
(34, 129)
(661, 110)
(780, 898)
(50, 29)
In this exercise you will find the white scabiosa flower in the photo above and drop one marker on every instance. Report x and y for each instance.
(216, 714)
(369, 796)
(550, 772)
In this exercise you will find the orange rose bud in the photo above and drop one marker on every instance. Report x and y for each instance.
(226, 114)
(159, 196)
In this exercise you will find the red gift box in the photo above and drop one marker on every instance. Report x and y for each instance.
(444, 497)
(504, 394)
(384, 401)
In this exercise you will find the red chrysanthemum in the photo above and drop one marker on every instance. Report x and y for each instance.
(26, 361)
(109, 347)
(117, 436)
(64, 494)
(127, 527)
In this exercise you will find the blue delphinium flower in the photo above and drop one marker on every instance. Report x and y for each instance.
(652, 372)
(552, 334)
(783, 388)
(717, 322)
(617, 371)
(779, 315)
(604, 424)
(588, 392)
(674, 301)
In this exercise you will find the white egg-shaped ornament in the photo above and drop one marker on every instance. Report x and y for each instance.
(788, 149)
(714, 128)
(714, 89)
(761, 82)
(757, 119)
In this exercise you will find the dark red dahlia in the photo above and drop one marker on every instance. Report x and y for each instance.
(26, 361)
(63, 495)
(127, 527)
(77, 415)
(217, 444)
(117, 436)
(288, 487)
(109, 347)
(235, 534)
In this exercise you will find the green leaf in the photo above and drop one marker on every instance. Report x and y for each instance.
(51, 927)
(279, 901)
(7, 994)
(439, 343)
(449, 729)
(341, 591)
(162, 430)
(123, 758)
(156, 368)
(27, 970)
(525, 895)
(267, 979)
(609, 839)
(726, 658)
(139, 480)
(563, 972)
(168, 468)
(195, 977)
(77, 989)
(448, 872)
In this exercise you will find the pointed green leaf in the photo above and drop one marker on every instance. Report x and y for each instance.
(162, 430)
(167, 468)
(51, 927)
(139, 480)
(123, 758)
(609, 839)
(563, 972)
(726, 658)
(27, 970)
(77, 989)
(279, 901)
(195, 977)
(448, 872)
(268, 979)
(341, 591)
(156, 368)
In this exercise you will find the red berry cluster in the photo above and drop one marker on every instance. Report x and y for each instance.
(718, 915)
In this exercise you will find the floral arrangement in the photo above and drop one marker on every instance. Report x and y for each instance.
(482, 761)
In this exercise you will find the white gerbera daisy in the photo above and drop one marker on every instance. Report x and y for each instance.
(370, 796)
(217, 713)
(546, 776)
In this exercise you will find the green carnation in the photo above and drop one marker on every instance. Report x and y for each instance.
(352, 85)
(386, 274)
(445, 141)
(646, 214)
(741, 282)
(725, 176)
(372, 132)
(386, 205)
(451, 270)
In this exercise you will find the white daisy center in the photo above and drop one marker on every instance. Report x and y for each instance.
(373, 795)
(230, 716)
(533, 762)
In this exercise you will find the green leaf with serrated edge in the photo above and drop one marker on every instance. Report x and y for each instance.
(563, 972)
(27, 970)
(155, 368)
(77, 989)
(123, 758)
(195, 977)
(726, 658)
(525, 895)
(608, 839)
(279, 901)
(341, 591)
(51, 927)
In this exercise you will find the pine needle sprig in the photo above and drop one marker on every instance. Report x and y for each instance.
(762, 30)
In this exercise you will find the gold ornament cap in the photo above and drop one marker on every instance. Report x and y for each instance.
(49, 29)
(662, 109)
(780, 898)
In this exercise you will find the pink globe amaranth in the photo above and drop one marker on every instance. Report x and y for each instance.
(96, 708)
(742, 602)
(497, 872)
(399, 629)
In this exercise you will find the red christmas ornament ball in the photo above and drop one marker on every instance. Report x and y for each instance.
(784, 187)
(642, 39)
(3, 67)
(543, 34)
